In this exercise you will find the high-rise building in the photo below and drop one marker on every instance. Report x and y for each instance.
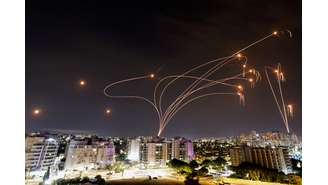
(87, 154)
(40, 153)
(269, 157)
(153, 153)
(181, 149)
(134, 149)
(157, 152)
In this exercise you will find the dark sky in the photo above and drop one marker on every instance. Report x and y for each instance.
(106, 42)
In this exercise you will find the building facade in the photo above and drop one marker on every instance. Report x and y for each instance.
(134, 149)
(181, 149)
(157, 152)
(269, 157)
(86, 154)
(40, 153)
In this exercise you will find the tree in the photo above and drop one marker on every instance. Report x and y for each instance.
(297, 166)
(206, 163)
(177, 164)
(100, 180)
(46, 175)
(117, 167)
(189, 170)
(193, 164)
(202, 171)
(295, 179)
(85, 180)
(218, 163)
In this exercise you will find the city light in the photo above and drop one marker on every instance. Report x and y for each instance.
(275, 33)
(152, 75)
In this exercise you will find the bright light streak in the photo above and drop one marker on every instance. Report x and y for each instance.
(165, 114)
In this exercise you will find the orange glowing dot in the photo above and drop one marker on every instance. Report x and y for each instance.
(239, 55)
(276, 71)
(82, 82)
(250, 70)
(275, 33)
(152, 75)
(240, 87)
(36, 111)
(108, 111)
(250, 80)
(244, 66)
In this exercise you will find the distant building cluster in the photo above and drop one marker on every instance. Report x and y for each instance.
(67, 152)
(253, 138)
(272, 150)
(78, 152)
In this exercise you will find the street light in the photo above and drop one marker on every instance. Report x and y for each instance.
(152, 75)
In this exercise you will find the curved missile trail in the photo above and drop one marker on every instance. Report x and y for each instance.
(133, 97)
(213, 82)
(197, 84)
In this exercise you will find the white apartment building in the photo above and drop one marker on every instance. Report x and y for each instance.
(134, 150)
(84, 154)
(40, 153)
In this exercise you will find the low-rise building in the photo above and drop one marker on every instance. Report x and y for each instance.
(87, 154)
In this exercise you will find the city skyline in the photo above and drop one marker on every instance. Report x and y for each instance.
(111, 43)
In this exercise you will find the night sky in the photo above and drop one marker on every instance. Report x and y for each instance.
(106, 42)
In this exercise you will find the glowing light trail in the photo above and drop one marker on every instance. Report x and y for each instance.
(285, 111)
(188, 95)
